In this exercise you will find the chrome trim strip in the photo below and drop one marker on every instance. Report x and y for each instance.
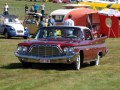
(34, 57)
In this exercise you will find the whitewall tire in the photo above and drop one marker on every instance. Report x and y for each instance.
(77, 63)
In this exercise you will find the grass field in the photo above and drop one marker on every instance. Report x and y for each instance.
(106, 76)
(17, 6)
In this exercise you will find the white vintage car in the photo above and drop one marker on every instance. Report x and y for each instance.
(10, 26)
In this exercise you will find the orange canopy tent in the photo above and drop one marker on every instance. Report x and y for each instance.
(83, 16)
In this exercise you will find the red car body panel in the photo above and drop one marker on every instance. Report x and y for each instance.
(62, 50)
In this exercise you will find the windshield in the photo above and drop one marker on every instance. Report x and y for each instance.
(11, 20)
(59, 33)
(31, 19)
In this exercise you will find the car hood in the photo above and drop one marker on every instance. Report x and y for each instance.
(60, 42)
(16, 26)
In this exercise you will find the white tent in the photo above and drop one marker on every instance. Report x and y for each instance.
(110, 12)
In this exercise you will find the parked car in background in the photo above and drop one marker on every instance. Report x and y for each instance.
(10, 26)
(32, 22)
(62, 44)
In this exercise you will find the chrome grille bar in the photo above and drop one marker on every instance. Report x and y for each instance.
(45, 50)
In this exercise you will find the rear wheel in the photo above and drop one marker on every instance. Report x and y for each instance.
(77, 64)
(96, 62)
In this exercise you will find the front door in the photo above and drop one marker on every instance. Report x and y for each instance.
(89, 47)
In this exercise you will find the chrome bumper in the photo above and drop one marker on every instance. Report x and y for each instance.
(59, 59)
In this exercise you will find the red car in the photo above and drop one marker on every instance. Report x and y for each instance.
(62, 44)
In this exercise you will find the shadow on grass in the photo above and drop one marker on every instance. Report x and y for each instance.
(42, 66)
(2, 37)
(20, 38)
(12, 66)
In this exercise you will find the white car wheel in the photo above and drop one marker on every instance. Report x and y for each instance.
(96, 62)
(77, 63)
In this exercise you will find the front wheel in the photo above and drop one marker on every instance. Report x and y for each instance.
(7, 36)
(96, 62)
(77, 64)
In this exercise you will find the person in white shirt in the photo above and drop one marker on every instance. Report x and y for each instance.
(42, 9)
(69, 21)
(6, 7)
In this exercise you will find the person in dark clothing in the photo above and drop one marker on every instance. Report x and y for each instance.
(26, 8)
(42, 9)
(42, 22)
(6, 7)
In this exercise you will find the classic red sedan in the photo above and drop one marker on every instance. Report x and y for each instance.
(62, 44)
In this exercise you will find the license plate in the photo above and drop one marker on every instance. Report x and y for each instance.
(44, 61)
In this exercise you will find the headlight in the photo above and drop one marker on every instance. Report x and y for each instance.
(68, 49)
(22, 49)
(71, 49)
(65, 49)
(19, 48)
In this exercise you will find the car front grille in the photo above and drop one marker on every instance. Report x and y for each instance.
(19, 31)
(45, 50)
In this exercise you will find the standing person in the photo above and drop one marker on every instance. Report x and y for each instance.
(36, 7)
(42, 22)
(6, 7)
(51, 21)
(42, 9)
(69, 21)
(32, 8)
(26, 8)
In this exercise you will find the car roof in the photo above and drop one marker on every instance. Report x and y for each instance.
(9, 16)
(61, 11)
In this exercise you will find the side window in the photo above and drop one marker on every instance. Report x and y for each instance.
(78, 33)
(87, 34)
